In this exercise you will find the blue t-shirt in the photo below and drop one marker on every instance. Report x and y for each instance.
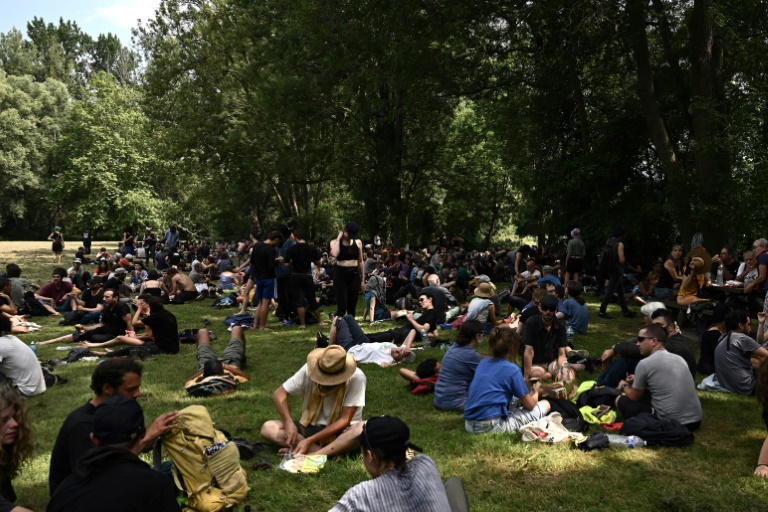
(548, 279)
(496, 382)
(456, 372)
(576, 315)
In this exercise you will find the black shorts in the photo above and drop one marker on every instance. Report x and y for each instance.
(574, 265)
(309, 430)
(302, 287)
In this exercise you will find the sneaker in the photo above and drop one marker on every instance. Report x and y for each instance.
(630, 314)
(603, 314)
(322, 340)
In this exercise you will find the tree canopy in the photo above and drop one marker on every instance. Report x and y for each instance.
(476, 118)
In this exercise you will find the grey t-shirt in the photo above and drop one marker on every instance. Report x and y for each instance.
(19, 365)
(417, 488)
(732, 363)
(673, 393)
(20, 284)
(576, 248)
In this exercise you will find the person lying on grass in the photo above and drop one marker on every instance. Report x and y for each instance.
(497, 382)
(333, 388)
(346, 332)
(161, 336)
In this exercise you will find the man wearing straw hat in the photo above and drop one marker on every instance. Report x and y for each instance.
(333, 388)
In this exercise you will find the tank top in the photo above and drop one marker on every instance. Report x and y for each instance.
(348, 252)
(665, 278)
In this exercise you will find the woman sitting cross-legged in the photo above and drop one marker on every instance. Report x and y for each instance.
(162, 336)
(497, 382)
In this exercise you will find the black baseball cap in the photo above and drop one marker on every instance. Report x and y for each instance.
(387, 433)
(549, 300)
(118, 420)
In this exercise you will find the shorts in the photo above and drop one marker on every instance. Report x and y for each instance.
(233, 355)
(516, 420)
(574, 265)
(309, 430)
(302, 287)
(265, 289)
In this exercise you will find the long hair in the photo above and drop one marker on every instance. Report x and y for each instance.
(504, 343)
(14, 456)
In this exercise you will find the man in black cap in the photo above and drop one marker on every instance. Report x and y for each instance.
(111, 475)
(397, 484)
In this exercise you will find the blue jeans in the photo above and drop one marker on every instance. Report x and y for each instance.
(348, 333)
(64, 306)
(91, 317)
(517, 419)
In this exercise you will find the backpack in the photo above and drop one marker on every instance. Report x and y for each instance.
(657, 432)
(212, 385)
(32, 306)
(224, 302)
(404, 303)
(608, 257)
(206, 466)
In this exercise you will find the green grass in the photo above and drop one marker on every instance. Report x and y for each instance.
(499, 472)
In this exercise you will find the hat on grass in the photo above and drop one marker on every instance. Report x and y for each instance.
(118, 420)
(330, 366)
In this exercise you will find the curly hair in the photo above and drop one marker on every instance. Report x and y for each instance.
(14, 456)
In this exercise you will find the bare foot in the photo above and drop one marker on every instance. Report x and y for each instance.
(302, 327)
(322, 324)
(264, 329)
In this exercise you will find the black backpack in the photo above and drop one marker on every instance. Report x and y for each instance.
(657, 432)
(608, 257)
(32, 306)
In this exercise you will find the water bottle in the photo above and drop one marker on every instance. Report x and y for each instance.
(569, 333)
(719, 281)
(628, 441)
(33, 346)
(424, 338)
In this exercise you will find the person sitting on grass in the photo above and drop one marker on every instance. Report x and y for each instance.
(643, 292)
(545, 345)
(20, 284)
(408, 333)
(153, 285)
(112, 472)
(115, 377)
(91, 302)
(17, 444)
(397, 484)
(229, 364)
(19, 323)
(489, 407)
(56, 295)
(481, 307)
(576, 311)
(333, 388)
(229, 280)
(161, 336)
(346, 332)
(737, 355)
(19, 366)
(458, 368)
(115, 321)
(662, 377)
(182, 289)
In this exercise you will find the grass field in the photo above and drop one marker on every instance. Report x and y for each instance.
(499, 472)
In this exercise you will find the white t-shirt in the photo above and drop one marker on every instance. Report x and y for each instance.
(301, 384)
(526, 274)
(378, 353)
(749, 277)
(19, 365)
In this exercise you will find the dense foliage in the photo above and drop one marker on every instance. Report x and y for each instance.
(484, 119)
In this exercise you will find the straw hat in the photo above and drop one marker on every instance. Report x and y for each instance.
(699, 267)
(330, 366)
(484, 290)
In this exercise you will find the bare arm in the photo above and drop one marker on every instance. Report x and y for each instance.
(527, 362)
(620, 250)
(329, 432)
(632, 393)
(280, 399)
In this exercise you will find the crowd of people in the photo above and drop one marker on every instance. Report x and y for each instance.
(284, 279)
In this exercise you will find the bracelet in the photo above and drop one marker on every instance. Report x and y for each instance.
(760, 465)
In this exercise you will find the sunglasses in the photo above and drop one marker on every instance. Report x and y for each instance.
(640, 339)
(422, 299)
(549, 308)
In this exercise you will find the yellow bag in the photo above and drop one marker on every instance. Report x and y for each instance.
(209, 464)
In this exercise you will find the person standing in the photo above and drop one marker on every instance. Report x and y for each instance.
(150, 244)
(348, 280)
(574, 257)
(87, 240)
(300, 257)
(57, 237)
(615, 273)
(262, 275)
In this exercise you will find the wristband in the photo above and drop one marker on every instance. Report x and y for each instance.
(760, 465)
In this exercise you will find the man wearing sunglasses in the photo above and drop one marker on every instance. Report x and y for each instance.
(664, 378)
(545, 344)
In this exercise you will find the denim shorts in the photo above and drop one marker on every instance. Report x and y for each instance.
(265, 289)
(516, 420)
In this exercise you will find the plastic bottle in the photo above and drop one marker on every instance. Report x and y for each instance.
(569, 332)
(628, 441)
(33, 347)
(424, 338)
(719, 280)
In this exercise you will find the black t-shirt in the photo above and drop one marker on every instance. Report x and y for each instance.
(113, 319)
(114, 479)
(428, 316)
(301, 256)
(676, 344)
(7, 495)
(263, 261)
(165, 331)
(546, 344)
(709, 341)
(112, 283)
(90, 301)
(73, 440)
(529, 313)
